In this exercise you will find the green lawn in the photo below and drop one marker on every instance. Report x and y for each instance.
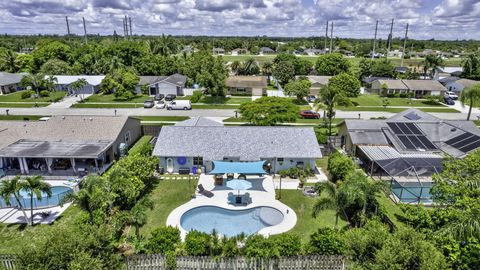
(17, 97)
(107, 106)
(14, 236)
(96, 98)
(303, 205)
(224, 100)
(477, 122)
(23, 105)
(396, 110)
(322, 163)
(162, 118)
(20, 117)
(217, 107)
(167, 195)
(299, 121)
(375, 100)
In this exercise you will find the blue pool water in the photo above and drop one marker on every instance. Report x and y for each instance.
(230, 222)
(58, 192)
(413, 192)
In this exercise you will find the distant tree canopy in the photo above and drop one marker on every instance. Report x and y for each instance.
(332, 64)
(268, 111)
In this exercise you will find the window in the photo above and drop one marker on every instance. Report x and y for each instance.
(241, 90)
(198, 161)
(127, 137)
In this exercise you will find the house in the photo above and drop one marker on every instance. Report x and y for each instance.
(10, 82)
(443, 72)
(317, 83)
(385, 86)
(246, 85)
(64, 83)
(65, 145)
(410, 143)
(239, 51)
(184, 146)
(218, 51)
(313, 52)
(419, 88)
(401, 70)
(395, 53)
(173, 84)
(456, 84)
(266, 50)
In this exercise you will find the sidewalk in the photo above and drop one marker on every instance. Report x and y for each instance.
(68, 101)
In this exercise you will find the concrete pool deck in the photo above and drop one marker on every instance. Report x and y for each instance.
(265, 197)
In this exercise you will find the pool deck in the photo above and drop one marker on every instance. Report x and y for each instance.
(260, 197)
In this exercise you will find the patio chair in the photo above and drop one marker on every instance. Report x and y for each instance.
(204, 192)
(247, 199)
(231, 198)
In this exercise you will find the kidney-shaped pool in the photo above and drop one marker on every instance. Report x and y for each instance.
(230, 222)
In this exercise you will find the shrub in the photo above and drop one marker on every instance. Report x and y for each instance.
(339, 167)
(259, 246)
(163, 240)
(142, 147)
(197, 243)
(44, 93)
(433, 100)
(287, 244)
(197, 95)
(26, 94)
(326, 241)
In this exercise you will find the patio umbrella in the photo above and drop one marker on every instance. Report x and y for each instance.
(239, 184)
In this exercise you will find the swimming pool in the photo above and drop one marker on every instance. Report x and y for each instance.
(413, 192)
(230, 222)
(58, 192)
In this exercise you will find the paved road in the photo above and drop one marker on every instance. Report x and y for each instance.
(194, 112)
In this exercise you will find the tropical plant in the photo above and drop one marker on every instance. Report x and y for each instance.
(326, 241)
(332, 64)
(329, 99)
(78, 85)
(35, 186)
(298, 88)
(471, 66)
(328, 202)
(11, 188)
(269, 111)
(35, 81)
(470, 95)
(430, 65)
(267, 69)
(8, 61)
(137, 216)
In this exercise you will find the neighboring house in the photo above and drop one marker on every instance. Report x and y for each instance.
(266, 50)
(347, 53)
(313, 52)
(441, 73)
(10, 82)
(419, 88)
(218, 51)
(64, 83)
(239, 51)
(173, 84)
(317, 83)
(395, 53)
(65, 145)
(409, 144)
(456, 84)
(392, 87)
(401, 69)
(184, 146)
(246, 85)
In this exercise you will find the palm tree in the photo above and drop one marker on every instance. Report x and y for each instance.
(267, 70)
(465, 228)
(35, 81)
(470, 95)
(328, 202)
(137, 216)
(431, 63)
(329, 99)
(235, 66)
(471, 66)
(11, 188)
(8, 61)
(77, 85)
(250, 67)
(35, 186)
(50, 82)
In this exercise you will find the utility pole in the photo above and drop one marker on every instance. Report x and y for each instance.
(326, 38)
(130, 20)
(404, 45)
(68, 26)
(126, 26)
(331, 38)
(390, 38)
(375, 40)
(85, 30)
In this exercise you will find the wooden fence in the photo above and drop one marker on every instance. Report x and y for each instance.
(155, 261)
(7, 262)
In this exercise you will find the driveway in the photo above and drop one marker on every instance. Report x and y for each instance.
(68, 101)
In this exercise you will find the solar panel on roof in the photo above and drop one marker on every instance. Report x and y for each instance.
(395, 128)
(413, 128)
(465, 142)
(406, 142)
(412, 116)
(458, 138)
(428, 144)
(416, 142)
(470, 147)
(404, 128)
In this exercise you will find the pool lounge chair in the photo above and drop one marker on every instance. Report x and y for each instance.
(231, 198)
(204, 192)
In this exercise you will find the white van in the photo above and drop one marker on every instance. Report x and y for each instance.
(179, 105)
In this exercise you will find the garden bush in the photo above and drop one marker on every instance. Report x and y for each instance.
(27, 94)
(197, 95)
(198, 243)
(44, 93)
(163, 240)
(340, 167)
(326, 241)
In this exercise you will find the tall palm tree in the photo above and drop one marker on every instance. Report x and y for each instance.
(470, 95)
(77, 85)
(267, 69)
(235, 66)
(8, 61)
(431, 63)
(137, 216)
(35, 81)
(50, 82)
(329, 99)
(250, 67)
(328, 202)
(35, 186)
(471, 66)
(464, 228)
(11, 188)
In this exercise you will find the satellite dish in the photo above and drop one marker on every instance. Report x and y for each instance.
(182, 160)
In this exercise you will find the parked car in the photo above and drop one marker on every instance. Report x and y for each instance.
(170, 97)
(149, 103)
(160, 104)
(159, 97)
(179, 105)
(452, 95)
(311, 98)
(449, 100)
(309, 115)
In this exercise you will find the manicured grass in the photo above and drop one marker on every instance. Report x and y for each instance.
(375, 100)
(23, 105)
(111, 98)
(139, 144)
(107, 106)
(162, 118)
(167, 195)
(322, 163)
(20, 117)
(17, 97)
(303, 205)
(217, 107)
(395, 110)
(477, 122)
(226, 100)
(299, 121)
(14, 236)
(392, 210)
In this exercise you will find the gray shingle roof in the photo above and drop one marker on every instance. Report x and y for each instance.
(177, 79)
(198, 122)
(246, 81)
(10, 78)
(249, 143)
(429, 85)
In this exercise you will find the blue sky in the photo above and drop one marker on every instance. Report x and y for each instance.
(439, 19)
